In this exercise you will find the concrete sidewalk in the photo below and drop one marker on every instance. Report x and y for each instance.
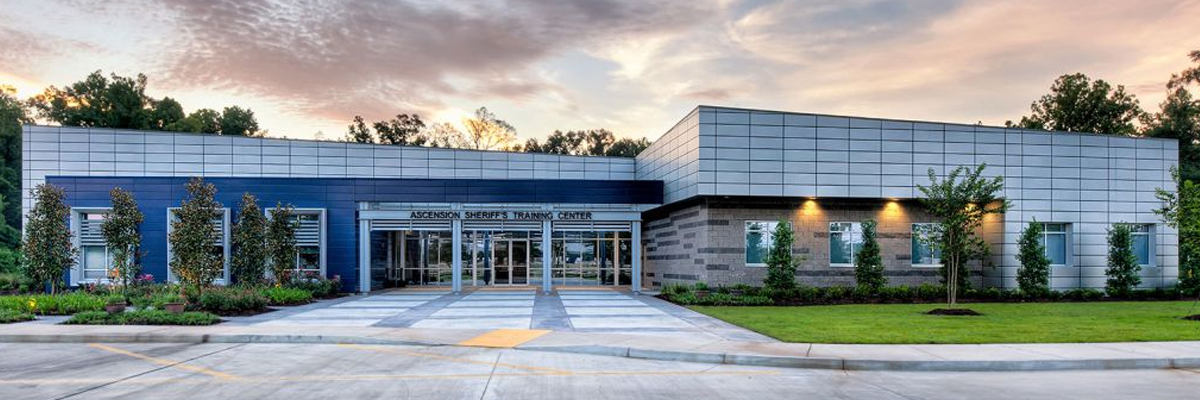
(988, 357)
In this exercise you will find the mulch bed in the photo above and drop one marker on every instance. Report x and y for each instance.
(1193, 317)
(954, 311)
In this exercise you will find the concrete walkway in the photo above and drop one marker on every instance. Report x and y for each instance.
(701, 348)
(595, 310)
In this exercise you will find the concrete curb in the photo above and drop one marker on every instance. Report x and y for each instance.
(757, 360)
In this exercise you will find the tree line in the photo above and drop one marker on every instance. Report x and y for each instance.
(485, 131)
(1076, 103)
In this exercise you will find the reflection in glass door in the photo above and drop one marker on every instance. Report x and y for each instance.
(510, 262)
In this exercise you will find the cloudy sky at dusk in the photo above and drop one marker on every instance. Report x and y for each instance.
(634, 67)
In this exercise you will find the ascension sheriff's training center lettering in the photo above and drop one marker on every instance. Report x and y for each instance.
(504, 215)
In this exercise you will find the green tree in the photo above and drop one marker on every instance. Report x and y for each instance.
(195, 257)
(961, 206)
(1179, 118)
(627, 147)
(1181, 210)
(1187, 76)
(49, 252)
(97, 101)
(404, 130)
(249, 263)
(120, 231)
(204, 120)
(781, 266)
(237, 121)
(12, 116)
(166, 112)
(358, 132)
(1033, 277)
(1123, 270)
(281, 241)
(1076, 104)
(868, 263)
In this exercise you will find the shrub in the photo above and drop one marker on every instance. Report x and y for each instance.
(281, 241)
(701, 286)
(143, 317)
(57, 304)
(1123, 270)
(781, 266)
(49, 251)
(194, 258)
(1033, 276)
(676, 289)
(286, 296)
(10, 316)
(930, 292)
(10, 261)
(229, 301)
(249, 263)
(10, 282)
(868, 264)
(1083, 294)
(320, 287)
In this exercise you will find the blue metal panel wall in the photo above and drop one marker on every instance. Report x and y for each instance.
(339, 197)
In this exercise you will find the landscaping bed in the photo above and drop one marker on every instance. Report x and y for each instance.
(143, 317)
(1063, 322)
(744, 295)
(10, 316)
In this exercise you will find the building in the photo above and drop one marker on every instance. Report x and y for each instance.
(698, 205)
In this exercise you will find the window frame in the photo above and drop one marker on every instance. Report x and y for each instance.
(225, 245)
(937, 259)
(767, 232)
(323, 223)
(1147, 230)
(855, 231)
(77, 273)
(1068, 251)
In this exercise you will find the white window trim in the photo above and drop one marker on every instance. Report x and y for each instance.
(829, 231)
(1068, 243)
(77, 270)
(914, 265)
(224, 245)
(745, 245)
(324, 222)
(1150, 233)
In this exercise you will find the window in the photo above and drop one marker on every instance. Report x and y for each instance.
(94, 263)
(924, 254)
(309, 238)
(1055, 240)
(1143, 243)
(758, 241)
(845, 238)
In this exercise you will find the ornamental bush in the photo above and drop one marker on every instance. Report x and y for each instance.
(53, 304)
(229, 301)
(1124, 273)
(781, 266)
(1033, 276)
(195, 258)
(868, 264)
(1181, 211)
(249, 263)
(10, 316)
(120, 230)
(281, 242)
(286, 296)
(49, 251)
(143, 317)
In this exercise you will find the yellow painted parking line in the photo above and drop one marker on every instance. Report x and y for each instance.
(163, 361)
(504, 338)
(454, 359)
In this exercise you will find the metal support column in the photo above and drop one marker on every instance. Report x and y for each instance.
(364, 256)
(547, 257)
(456, 267)
(636, 244)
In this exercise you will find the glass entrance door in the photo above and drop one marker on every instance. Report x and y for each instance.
(510, 262)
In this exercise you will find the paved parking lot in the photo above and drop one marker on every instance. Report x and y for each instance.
(228, 371)
(611, 311)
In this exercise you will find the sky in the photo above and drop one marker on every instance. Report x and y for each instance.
(306, 68)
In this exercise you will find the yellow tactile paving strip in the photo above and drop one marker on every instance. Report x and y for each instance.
(504, 338)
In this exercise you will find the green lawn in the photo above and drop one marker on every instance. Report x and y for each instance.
(1001, 322)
